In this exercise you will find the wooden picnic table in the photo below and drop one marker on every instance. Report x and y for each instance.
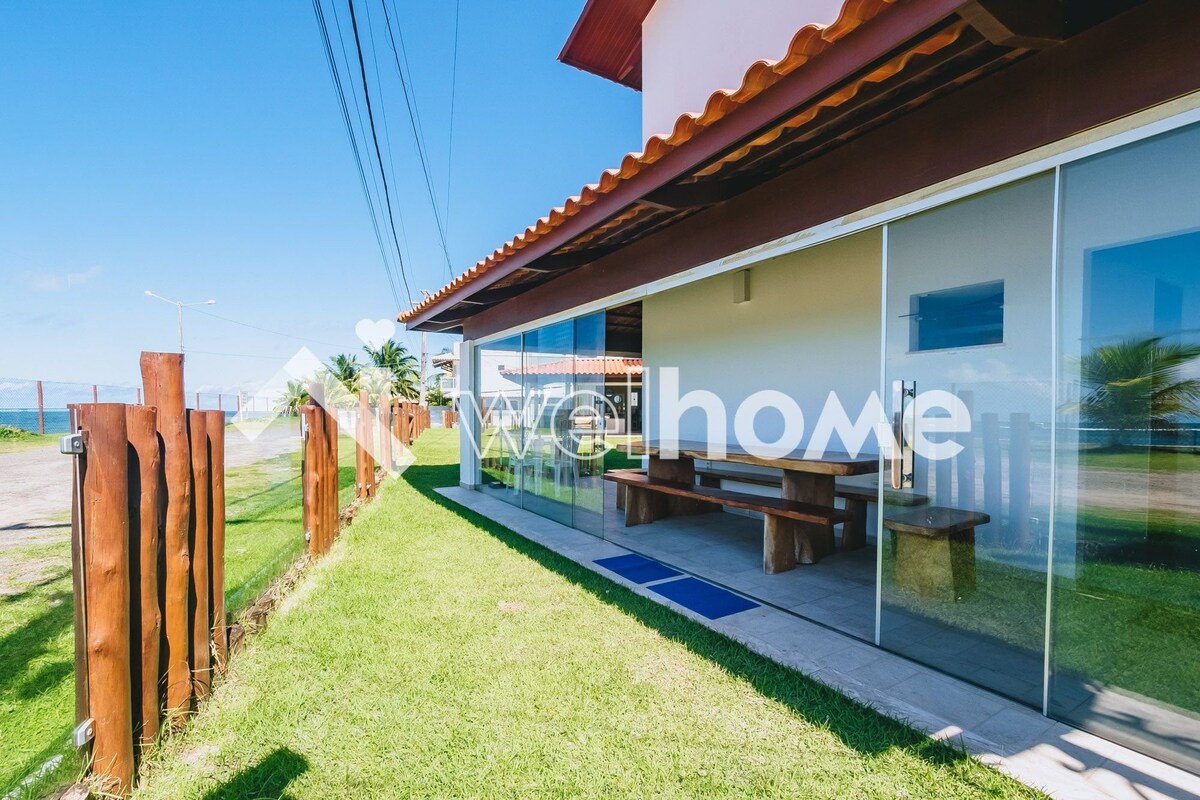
(805, 480)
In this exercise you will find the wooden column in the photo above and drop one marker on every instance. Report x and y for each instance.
(405, 434)
(162, 379)
(813, 542)
(385, 434)
(200, 543)
(104, 516)
(327, 500)
(145, 615)
(310, 470)
(41, 409)
(216, 450)
(95, 394)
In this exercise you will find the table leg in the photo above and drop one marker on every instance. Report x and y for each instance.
(679, 470)
(813, 542)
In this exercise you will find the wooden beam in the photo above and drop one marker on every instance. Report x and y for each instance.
(1026, 24)
(683, 196)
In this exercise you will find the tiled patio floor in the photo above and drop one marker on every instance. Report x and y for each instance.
(1061, 760)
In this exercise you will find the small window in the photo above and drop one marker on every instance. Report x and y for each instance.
(966, 316)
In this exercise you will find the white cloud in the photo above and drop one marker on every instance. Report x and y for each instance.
(54, 282)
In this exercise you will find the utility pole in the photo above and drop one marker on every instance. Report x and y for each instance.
(424, 362)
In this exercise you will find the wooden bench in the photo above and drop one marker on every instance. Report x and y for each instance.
(647, 499)
(855, 496)
(935, 550)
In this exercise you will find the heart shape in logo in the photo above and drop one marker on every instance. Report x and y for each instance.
(374, 333)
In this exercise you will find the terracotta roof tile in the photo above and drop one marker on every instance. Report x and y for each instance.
(608, 366)
(807, 43)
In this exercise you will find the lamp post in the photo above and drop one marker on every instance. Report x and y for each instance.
(180, 306)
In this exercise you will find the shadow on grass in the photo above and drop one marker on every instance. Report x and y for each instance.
(858, 726)
(31, 641)
(269, 778)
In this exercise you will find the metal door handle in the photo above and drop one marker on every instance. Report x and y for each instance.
(902, 461)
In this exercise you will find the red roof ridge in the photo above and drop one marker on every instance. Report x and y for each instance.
(808, 42)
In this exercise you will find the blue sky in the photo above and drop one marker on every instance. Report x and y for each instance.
(197, 150)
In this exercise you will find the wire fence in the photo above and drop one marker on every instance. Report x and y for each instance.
(41, 406)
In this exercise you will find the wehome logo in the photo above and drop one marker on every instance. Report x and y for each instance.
(518, 425)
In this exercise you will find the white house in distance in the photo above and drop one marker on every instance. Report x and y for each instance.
(914, 286)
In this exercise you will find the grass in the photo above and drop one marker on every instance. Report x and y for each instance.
(434, 653)
(17, 440)
(37, 687)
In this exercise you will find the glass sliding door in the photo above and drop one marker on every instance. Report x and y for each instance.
(968, 358)
(546, 469)
(500, 403)
(1125, 634)
(588, 424)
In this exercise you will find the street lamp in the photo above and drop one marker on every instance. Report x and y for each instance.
(180, 306)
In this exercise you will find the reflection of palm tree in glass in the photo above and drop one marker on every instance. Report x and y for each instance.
(1137, 384)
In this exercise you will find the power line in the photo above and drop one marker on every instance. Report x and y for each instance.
(453, 94)
(261, 329)
(348, 124)
(362, 67)
(414, 122)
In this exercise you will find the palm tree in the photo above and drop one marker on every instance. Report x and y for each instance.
(295, 394)
(329, 391)
(346, 368)
(400, 364)
(1137, 383)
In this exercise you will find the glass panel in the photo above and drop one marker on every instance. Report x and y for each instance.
(500, 398)
(547, 468)
(965, 316)
(1125, 629)
(964, 549)
(589, 422)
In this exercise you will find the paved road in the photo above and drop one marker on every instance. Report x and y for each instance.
(35, 485)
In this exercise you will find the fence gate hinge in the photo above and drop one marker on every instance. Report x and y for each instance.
(71, 444)
(83, 732)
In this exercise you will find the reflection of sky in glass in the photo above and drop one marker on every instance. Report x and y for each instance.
(1145, 289)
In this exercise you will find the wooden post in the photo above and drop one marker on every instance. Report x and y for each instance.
(329, 506)
(162, 379)
(95, 394)
(216, 452)
(385, 434)
(41, 409)
(1020, 462)
(145, 469)
(82, 707)
(966, 459)
(197, 400)
(405, 434)
(104, 516)
(219, 398)
(239, 402)
(139, 397)
(993, 481)
(200, 541)
(310, 472)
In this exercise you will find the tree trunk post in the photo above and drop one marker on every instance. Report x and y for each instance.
(200, 542)
(162, 379)
(145, 469)
(216, 450)
(104, 516)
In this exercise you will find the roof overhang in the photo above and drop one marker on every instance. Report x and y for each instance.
(607, 40)
(881, 60)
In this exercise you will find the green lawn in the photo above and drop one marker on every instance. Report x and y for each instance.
(436, 654)
(37, 686)
(16, 440)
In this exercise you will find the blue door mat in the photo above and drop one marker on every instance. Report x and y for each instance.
(707, 600)
(637, 569)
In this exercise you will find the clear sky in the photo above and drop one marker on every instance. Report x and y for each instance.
(197, 149)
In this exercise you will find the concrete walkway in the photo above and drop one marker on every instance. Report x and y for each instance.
(1065, 762)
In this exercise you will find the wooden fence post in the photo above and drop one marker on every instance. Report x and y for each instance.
(385, 434)
(310, 471)
(145, 616)
(104, 517)
(199, 539)
(329, 505)
(41, 409)
(139, 397)
(1020, 461)
(405, 425)
(216, 452)
(162, 378)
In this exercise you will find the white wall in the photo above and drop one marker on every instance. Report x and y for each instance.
(810, 327)
(691, 48)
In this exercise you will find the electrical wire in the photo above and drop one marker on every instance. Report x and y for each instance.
(348, 124)
(362, 67)
(453, 95)
(261, 329)
(414, 122)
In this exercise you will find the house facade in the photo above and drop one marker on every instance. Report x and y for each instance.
(958, 237)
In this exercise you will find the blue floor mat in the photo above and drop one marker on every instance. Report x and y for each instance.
(637, 569)
(707, 600)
